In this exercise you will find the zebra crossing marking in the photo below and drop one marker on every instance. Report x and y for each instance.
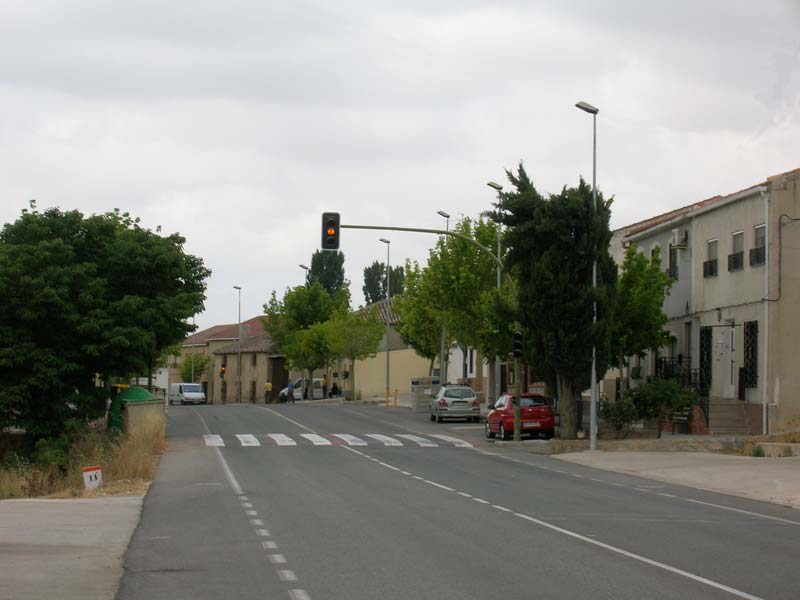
(282, 439)
(248, 439)
(387, 441)
(420, 441)
(315, 439)
(350, 440)
(212, 439)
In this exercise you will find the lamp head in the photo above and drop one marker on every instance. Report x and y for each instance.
(586, 107)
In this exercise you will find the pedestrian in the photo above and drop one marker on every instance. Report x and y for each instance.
(268, 393)
(324, 386)
(334, 390)
(290, 393)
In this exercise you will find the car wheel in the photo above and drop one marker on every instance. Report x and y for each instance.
(502, 433)
(438, 417)
(549, 434)
(489, 434)
(433, 418)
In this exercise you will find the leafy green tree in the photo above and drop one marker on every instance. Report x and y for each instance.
(82, 297)
(374, 287)
(354, 336)
(660, 399)
(419, 319)
(201, 362)
(292, 324)
(327, 268)
(638, 315)
(552, 243)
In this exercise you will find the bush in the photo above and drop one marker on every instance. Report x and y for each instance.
(658, 400)
(621, 414)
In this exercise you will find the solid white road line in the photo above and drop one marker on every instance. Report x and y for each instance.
(640, 558)
(237, 489)
(420, 441)
(282, 439)
(746, 512)
(385, 439)
(453, 440)
(300, 425)
(287, 575)
(248, 439)
(503, 508)
(212, 439)
(481, 500)
(315, 439)
(350, 440)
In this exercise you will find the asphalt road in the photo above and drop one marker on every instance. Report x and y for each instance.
(418, 520)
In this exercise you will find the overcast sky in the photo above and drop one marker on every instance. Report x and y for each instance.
(238, 123)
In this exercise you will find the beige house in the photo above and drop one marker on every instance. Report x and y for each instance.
(733, 309)
(258, 366)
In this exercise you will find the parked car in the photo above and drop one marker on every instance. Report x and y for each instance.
(455, 402)
(186, 393)
(315, 392)
(536, 414)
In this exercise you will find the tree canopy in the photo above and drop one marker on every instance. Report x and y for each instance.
(354, 336)
(82, 297)
(552, 243)
(327, 268)
(374, 287)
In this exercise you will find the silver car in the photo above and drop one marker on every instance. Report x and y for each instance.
(455, 402)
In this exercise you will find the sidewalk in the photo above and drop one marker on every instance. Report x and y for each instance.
(774, 480)
(64, 549)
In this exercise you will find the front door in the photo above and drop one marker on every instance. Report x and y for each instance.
(729, 361)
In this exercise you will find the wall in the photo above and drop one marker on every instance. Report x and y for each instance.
(404, 365)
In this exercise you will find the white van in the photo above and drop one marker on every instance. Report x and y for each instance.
(314, 393)
(186, 393)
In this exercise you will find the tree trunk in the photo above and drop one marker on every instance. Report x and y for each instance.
(490, 399)
(353, 378)
(567, 407)
(623, 380)
(430, 369)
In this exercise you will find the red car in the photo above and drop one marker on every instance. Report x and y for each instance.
(537, 416)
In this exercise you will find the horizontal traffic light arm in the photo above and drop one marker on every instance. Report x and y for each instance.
(460, 236)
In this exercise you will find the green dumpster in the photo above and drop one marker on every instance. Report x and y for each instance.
(131, 394)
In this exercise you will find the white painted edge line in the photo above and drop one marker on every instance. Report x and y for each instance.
(481, 500)
(299, 595)
(212, 439)
(315, 439)
(262, 532)
(256, 522)
(247, 439)
(640, 558)
(667, 495)
(503, 508)
(237, 489)
(746, 512)
(439, 485)
(465, 494)
(388, 466)
(405, 473)
(286, 575)
(269, 545)
(276, 559)
(274, 412)
(251, 513)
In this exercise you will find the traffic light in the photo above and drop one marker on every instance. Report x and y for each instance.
(517, 346)
(222, 371)
(330, 231)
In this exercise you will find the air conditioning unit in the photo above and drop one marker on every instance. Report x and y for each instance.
(680, 237)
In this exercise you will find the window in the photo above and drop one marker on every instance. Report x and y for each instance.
(672, 269)
(460, 393)
(758, 253)
(253, 360)
(710, 266)
(736, 258)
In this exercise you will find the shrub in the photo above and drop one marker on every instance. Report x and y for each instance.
(660, 399)
(621, 414)
(758, 451)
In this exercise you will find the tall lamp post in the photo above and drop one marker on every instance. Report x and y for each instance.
(586, 107)
(498, 188)
(239, 350)
(388, 309)
(442, 360)
(193, 345)
(302, 375)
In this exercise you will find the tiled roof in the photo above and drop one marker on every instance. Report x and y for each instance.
(382, 308)
(257, 343)
(251, 327)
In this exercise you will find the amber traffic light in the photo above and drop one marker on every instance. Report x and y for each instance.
(330, 231)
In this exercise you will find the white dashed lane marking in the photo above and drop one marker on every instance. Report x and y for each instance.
(212, 439)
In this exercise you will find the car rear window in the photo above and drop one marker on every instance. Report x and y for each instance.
(532, 401)
(459, 393)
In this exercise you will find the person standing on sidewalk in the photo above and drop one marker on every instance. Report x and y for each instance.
(324, 386)
(290, 393)
(268, 392)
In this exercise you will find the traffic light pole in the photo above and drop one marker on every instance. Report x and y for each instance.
(517, 368)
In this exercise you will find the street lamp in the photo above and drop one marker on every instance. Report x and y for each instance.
(239, 350)
(388, 309)
(498, 188)
(302, 375)
(305, 268)
(442, 360)
(586, 107)
(193, 346)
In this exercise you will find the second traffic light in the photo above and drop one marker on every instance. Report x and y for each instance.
(517, 346)
(330, 231)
